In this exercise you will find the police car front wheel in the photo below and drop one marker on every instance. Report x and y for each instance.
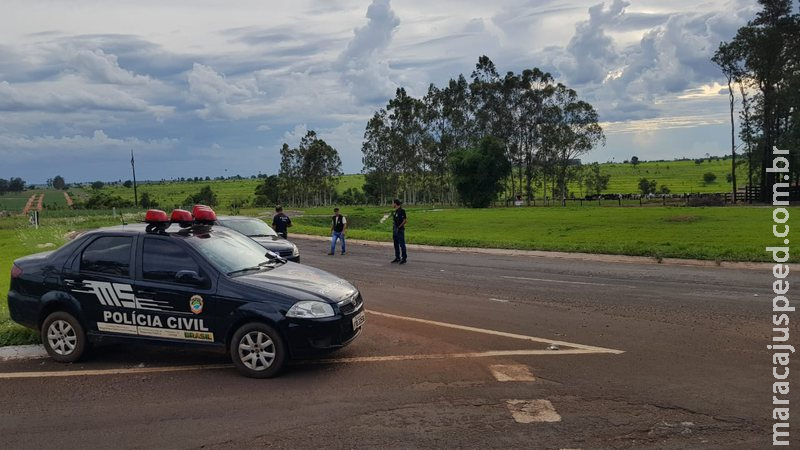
(63, 337)
(257, 350)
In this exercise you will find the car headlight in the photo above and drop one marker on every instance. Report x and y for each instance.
(295, 250)
(310, 309)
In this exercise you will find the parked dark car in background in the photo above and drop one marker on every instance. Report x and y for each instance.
(262, 233)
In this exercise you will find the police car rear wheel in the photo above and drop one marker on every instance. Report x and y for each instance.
(257, 350)
(63, 337)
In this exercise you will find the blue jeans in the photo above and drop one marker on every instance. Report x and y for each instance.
(399, 238)
(337, 235)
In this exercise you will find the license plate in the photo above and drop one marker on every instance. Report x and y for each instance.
(359, 320)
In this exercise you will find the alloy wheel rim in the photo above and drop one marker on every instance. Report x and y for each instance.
(62, 337)
(256, 351)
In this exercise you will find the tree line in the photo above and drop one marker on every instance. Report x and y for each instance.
(763, 62)
(15, 184)
(308, 175)
(414, 148)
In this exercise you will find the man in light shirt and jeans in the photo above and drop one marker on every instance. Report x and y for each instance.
(338, 228)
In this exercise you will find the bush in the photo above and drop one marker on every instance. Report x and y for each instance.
(205, 197)
(478, 172)
(709, 177)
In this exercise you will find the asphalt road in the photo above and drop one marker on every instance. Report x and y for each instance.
(454, 354)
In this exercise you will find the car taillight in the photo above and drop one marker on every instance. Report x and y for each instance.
(16, 272)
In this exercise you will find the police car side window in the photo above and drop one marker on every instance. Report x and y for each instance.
(162, 260)
(109, 255)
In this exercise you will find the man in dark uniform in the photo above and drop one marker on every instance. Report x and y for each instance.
(399, 232)
(281, 222)
(338, 227)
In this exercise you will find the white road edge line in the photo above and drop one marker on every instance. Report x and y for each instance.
(589, 348)
(587, 283)
(137, 370)
(488, 354)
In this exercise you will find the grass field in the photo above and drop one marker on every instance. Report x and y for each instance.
(15, 201)
(722, 234)
(679, 176)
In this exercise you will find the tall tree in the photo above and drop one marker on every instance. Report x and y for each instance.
(379, 164)
(58, 182)
(767, 46)
(571, 129)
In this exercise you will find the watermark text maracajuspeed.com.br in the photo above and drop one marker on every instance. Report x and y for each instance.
(781, 349)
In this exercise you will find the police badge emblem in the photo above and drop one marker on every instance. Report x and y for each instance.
(196, 304)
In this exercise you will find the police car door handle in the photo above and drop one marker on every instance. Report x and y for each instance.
(146, 294)
(74, 284)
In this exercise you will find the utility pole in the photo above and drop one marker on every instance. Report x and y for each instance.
(135, 196)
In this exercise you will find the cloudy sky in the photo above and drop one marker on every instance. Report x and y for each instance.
(208, 88)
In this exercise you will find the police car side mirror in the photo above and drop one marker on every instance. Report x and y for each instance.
(189, 277)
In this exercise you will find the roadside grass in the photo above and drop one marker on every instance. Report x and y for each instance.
(716, 234)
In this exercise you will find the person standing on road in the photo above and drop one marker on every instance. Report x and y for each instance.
(399, 232)
(281, 222)
(338, 227)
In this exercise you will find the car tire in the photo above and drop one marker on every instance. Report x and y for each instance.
(257, 350)
(63, 337)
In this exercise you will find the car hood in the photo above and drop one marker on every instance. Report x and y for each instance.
(274, 243)
(303, 281)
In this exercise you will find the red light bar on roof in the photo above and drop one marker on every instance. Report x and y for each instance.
(182, 217)
(155, 216)
(203, 214)
(157, 220)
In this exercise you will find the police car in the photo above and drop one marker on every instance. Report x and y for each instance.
(179, 279)
(260, 232)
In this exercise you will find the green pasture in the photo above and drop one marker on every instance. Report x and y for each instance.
(717, 234)
(15, 201)
(172, 194)
(680, 176)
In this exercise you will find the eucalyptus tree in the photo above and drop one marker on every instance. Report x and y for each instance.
(767, 46)
(570, 129)
(309, 173)
(320, 168)
(380, 166)
(289, 174)
(535, 85)
(726, 57)
(406, 139)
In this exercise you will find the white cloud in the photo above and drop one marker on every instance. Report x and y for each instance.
(71, 93)
(97, 146)
(362, 64)
(220, 98)
(100, 67)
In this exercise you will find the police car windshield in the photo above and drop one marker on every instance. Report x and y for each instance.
(232, 253)
(249, 227)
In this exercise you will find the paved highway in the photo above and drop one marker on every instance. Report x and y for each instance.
(460, 350)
